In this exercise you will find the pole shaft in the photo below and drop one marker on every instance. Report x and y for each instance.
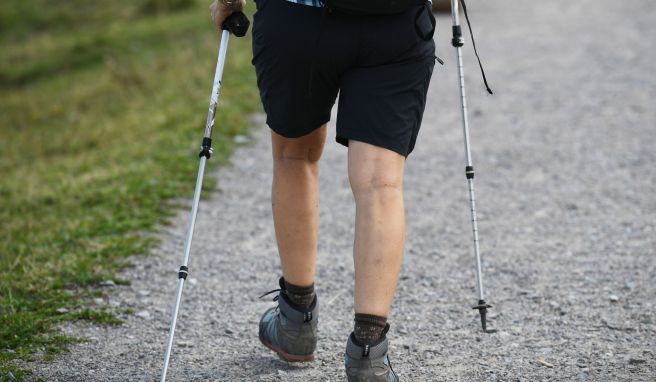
(465, 132)
(174, 319)
(216, 85)
(463, 106)
(194, 210)
(477, 252)
(185, 260)
(214, 99)
(455, 13)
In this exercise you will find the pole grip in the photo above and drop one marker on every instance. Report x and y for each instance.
(237, 23)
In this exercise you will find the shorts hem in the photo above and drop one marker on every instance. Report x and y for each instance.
(296, 133)
(344, 136)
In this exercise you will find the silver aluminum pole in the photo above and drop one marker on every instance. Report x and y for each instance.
(458, 42)
(204, 155)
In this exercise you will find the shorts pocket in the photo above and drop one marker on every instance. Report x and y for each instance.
(425, 22)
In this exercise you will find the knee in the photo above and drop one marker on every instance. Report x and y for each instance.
(292, 156)
(374, 171)
(365, 184)
(305, 150)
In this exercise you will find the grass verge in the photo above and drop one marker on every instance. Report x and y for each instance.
(102, 109)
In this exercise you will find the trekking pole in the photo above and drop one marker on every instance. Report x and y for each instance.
(458, 41)
(236, 23)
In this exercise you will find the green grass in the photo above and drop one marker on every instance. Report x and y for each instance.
(102, 109)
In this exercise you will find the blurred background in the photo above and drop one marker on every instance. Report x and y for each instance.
(102, 108)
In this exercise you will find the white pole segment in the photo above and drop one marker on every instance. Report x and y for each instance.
(214, 99)
(216, 86)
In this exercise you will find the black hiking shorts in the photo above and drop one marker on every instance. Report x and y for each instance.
(379, 64)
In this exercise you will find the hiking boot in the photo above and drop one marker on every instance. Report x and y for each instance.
(369, 363)
(289, 331)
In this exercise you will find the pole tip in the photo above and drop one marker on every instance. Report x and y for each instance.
(482, 310)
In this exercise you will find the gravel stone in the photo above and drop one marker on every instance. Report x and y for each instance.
(143, 314)
(107, 283)
(564, 156)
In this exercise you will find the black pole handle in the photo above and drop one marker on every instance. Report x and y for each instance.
(237, 23)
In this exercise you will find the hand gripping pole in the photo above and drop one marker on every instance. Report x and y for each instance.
(237, 24)
(457, 42)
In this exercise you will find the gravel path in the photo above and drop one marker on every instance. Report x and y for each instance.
(565, 154)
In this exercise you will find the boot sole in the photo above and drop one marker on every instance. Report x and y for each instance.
(286, 356)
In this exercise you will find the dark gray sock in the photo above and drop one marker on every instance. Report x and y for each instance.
(301, 296)
(368, 328)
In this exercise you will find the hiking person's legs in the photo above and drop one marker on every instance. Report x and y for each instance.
(381, 68)
(376, 178)
(290, 329)
(295, 202)
(298, 88)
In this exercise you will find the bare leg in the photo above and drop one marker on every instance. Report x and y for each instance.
(295, 202)
(376, 177)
